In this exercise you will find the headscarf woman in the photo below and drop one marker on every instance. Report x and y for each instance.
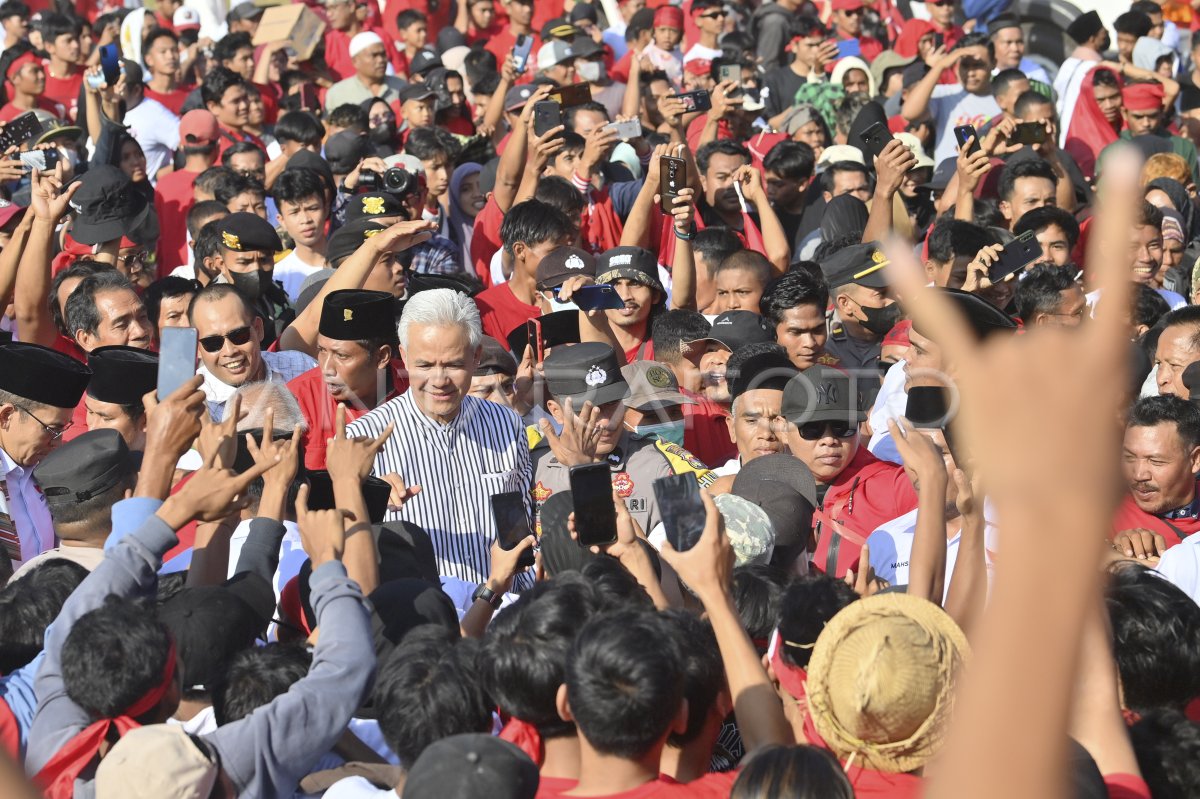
(1096, 123)
(466, 201)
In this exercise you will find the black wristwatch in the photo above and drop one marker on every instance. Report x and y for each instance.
(487, 595)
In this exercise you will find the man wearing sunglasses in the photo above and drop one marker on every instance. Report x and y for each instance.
(858, 492)
(39, 388)
(709, 16)
(847, 24)
(231, 354)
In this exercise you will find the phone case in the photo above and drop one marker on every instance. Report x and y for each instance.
(595, 516)
(547, 115)
(673, 175)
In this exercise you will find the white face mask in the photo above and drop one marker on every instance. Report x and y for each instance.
(591, 71)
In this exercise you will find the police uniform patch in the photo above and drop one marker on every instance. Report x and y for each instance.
(541, 493)
(683, 455)
(622, 484)
(595, 376)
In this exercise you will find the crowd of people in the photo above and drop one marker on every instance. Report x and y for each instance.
(880, 333)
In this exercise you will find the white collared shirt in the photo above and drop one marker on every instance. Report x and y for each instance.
(281, 368)
(24, 517)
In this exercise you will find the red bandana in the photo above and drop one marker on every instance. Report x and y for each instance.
(19, 62)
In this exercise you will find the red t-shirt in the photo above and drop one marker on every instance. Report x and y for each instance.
(9, 112)
(173, 100)
(706, 434)
(230, 137)
(1130, 517)
(871, 784)
(64, 91)
(320, 410)
(868, 493)
(173, 199)
(643, 350)
(441, 16)
(710, 786)
(485, 241)
(501, 312)
(337, 51)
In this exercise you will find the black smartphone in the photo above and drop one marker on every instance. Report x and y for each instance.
(672, 175)
(698, 100)
(964, 132)
(595, 516)
(15, 133)
(681, 509)
(592, 298)
(1028, 133)
(939, 40)
(512, 525)
(875, 138)
(543, 332)
(1016, 255)
(176, 359)
(521, 51)
(533, 335)
(547, 115)
(572, 94)
(308, 98)
(376, 492)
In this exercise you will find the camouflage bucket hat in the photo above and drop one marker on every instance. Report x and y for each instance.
(749, 529)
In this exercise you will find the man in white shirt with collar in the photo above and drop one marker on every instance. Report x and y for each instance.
(230, 337)
(39, 389)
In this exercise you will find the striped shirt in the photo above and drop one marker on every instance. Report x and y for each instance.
(459, 467)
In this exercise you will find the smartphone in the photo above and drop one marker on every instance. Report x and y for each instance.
(591, 298)
(1028, 133)
(512, 525)
(1016, 255)
(521, 51)
(176, 359)
(595, 516)
(543, 332)
(15, 133)
(681, 509)
(547, 115)
(848, 47)
(308, 98)
(698, 100)
(572, 94)
(533, 335)
(376, 492)
(110, 63)
(41, 160)
(875, 138)
(964, 132)
(939, 40)
(672, 177)
(627, 128)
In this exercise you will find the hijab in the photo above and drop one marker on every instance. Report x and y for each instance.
(462, 223)
(1182, 202)
(1089, 131)
(845, 215)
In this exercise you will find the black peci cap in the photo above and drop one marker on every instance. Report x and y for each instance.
(861, 264)
(736, 329)
(84, 468)
(472, 764)
(122, 375)
(350, 237)
(1085, 27)
(928, 407)
(247, 232)
(495, 359)
(42, 375)
(358, 314)
(583, 372)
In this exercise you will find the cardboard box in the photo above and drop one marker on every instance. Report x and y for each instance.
(294, 23)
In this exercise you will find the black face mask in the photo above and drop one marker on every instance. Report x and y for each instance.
(250, 283)
(880, 321)
(383, 134)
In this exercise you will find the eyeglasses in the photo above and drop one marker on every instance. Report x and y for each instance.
(56, 432)
(382, 119)
(714, 15)
(238, 336)
(853, 12)
(814, 431)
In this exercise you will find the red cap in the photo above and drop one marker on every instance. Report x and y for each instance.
(847, 5)
(669, 17)
(198, 127)
(698, 66)
(1143, 96)
(8, 210)
(898, 335)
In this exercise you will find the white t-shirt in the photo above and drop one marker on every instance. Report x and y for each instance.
(891, 549)
(157, 130)
(951, 106)
(1181, 566)
(290, 273)
(358, 788)
(700, 51)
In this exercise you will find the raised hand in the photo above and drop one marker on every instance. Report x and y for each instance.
(864, 581)
(346, 457)
(401, 491)
(919, 452)
(580, 435)
(1140, 544)
(892, 165)
(173, 424)
(218, 440)
(323, 532)
(971, 166)
(706, 568)
(213, 493)
(49, 200)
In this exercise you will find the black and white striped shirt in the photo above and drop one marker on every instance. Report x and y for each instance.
(459, 466)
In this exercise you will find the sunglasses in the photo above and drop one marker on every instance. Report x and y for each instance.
(237, 336)
(714, 15)
(814, 431)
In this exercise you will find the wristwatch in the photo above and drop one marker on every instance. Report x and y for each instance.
(487, 595)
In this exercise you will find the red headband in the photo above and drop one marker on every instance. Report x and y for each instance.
(20, 61)
(669, 17)
(57, 777)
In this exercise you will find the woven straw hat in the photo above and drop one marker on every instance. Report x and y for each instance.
(881, 681)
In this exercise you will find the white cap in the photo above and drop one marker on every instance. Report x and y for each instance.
(185, 17)
(362, 41)
(553, 52)
(840, 152)
(913, 143)
(409, 163)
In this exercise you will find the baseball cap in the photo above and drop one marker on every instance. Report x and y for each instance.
(652, 386)
(822, 394)
(785, 489)
(185, 18)
(345, 149)
(554, 52)
(517, 96)
(84, 468)
(942, 174)
(198, 128)
(563, 263)
(56, 129)
(416, 91)
(559, 28)
(245, 10)
(495, 359)
(631, 263)
(735, 329)
(472, 766)
(423, 61)
(585, 372)
(585, 46)
(108, 207)
(913, 143)
(157, 761)
(861, 264)
(840, 152)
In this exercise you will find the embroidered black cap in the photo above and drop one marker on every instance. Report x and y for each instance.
(40, 374)
(585, 372)
(84, 468)
(107, 207)
(247, 232)
(862, 264)
(358, 314)
(822, 394)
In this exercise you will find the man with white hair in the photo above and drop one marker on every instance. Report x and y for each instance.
(449, 452)
(370, 78)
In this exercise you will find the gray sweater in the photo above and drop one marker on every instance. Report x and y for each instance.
(266, 753)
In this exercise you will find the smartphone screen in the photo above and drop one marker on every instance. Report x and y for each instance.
(698, 100)
(595, 516)
(591, 298)
(572, 94)
(1029, 133)
(849, 47)
(673, 177)
(176, 359)
(533, 334)
(964, 132)
(512, 525)
(681, 509)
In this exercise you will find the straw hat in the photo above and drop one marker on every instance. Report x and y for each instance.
(881, 681)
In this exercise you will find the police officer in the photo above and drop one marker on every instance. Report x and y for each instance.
(358, 365)
(121, 377)
(588, 372)
(39, 389)
(865, 312)
(246, 258)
